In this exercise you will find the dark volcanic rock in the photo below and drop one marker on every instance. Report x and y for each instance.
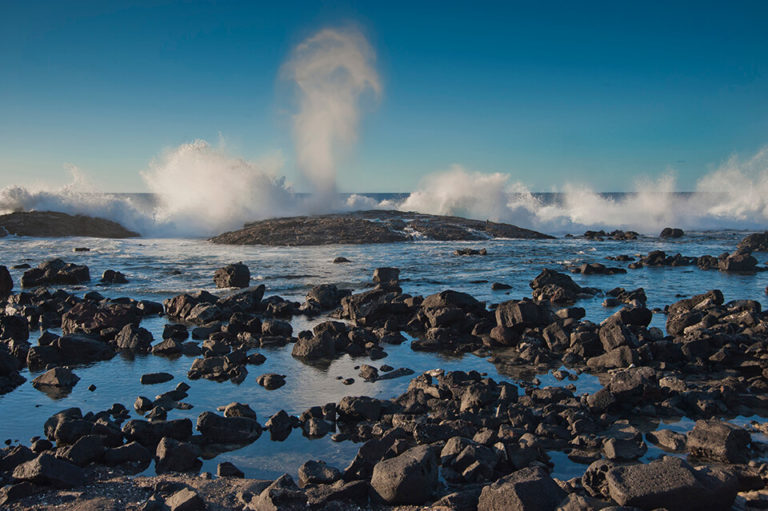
(134, 338)
(232, 275)
(369, 227)
(671, 232)
(719, 441)
(113, 277)
(409, 478)
(670, 483)
(49, 224)
(48, 470)
(55, 272)
(56, 377)
(6, 282)
(228, 430)
(271, 381)
(317, 472)
(556, 287)
(738, 263)
(175, 456)
(757, 242)
(528, 489)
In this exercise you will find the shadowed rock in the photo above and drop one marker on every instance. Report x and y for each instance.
(52, 224)
(363, 227)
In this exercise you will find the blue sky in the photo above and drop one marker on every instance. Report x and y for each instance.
(549, 92)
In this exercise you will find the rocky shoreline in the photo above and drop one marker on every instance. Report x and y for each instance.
(453, 440)
(52, 224)
(375, 226)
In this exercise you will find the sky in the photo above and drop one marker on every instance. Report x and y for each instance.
(599, 93)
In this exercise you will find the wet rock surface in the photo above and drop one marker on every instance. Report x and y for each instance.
(369, 227)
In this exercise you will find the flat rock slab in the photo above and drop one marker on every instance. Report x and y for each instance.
(670, 483)
(362, 227)
(52, 224)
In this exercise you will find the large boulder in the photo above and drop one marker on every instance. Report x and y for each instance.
(92, 318)
(56, 377)
(719, 441)
(671, 232)
(49, 470)
(520, 314)
(326, 296)
(134, 338)
(359, 408)
(228, 430)
(79, 349)
(555, 287)
(281, 495)
(670, 483)
(149, 434)
(175, 456)
(738, 263)
(757, 242)
(409, 478)
(529, 489)
(317, 346)
(180, 306)
(232, 275)
(317, 472)
(6, 282)
(55, 272)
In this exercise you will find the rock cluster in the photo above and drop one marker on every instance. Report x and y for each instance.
(451, 440)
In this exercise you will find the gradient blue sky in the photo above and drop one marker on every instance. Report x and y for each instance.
(595, 92)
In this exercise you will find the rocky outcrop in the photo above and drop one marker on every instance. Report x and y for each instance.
(54, 272)
(232, 275)
(374, 226)
(52, 224)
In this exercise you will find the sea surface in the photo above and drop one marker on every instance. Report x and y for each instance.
(160, 268)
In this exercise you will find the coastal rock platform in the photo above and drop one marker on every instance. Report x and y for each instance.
(52, 224)
(374, 226)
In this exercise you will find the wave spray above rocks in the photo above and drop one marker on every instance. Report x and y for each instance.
(201, 190)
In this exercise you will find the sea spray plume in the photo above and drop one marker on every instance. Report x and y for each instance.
(332, 70)
(204, 191)
(738, 189)
(472, 194)
(733, 197)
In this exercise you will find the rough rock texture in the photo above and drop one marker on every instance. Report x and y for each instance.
(369, 227)
(719, 441)
(670, 483)
(409, 478)
(232, 275)
(529, 489)
(46, 469)
(6, 282)
(47, 224)
(55, 271)
(56, 377)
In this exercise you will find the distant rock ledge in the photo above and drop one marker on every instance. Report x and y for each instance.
(52, 224)
(361, 227)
